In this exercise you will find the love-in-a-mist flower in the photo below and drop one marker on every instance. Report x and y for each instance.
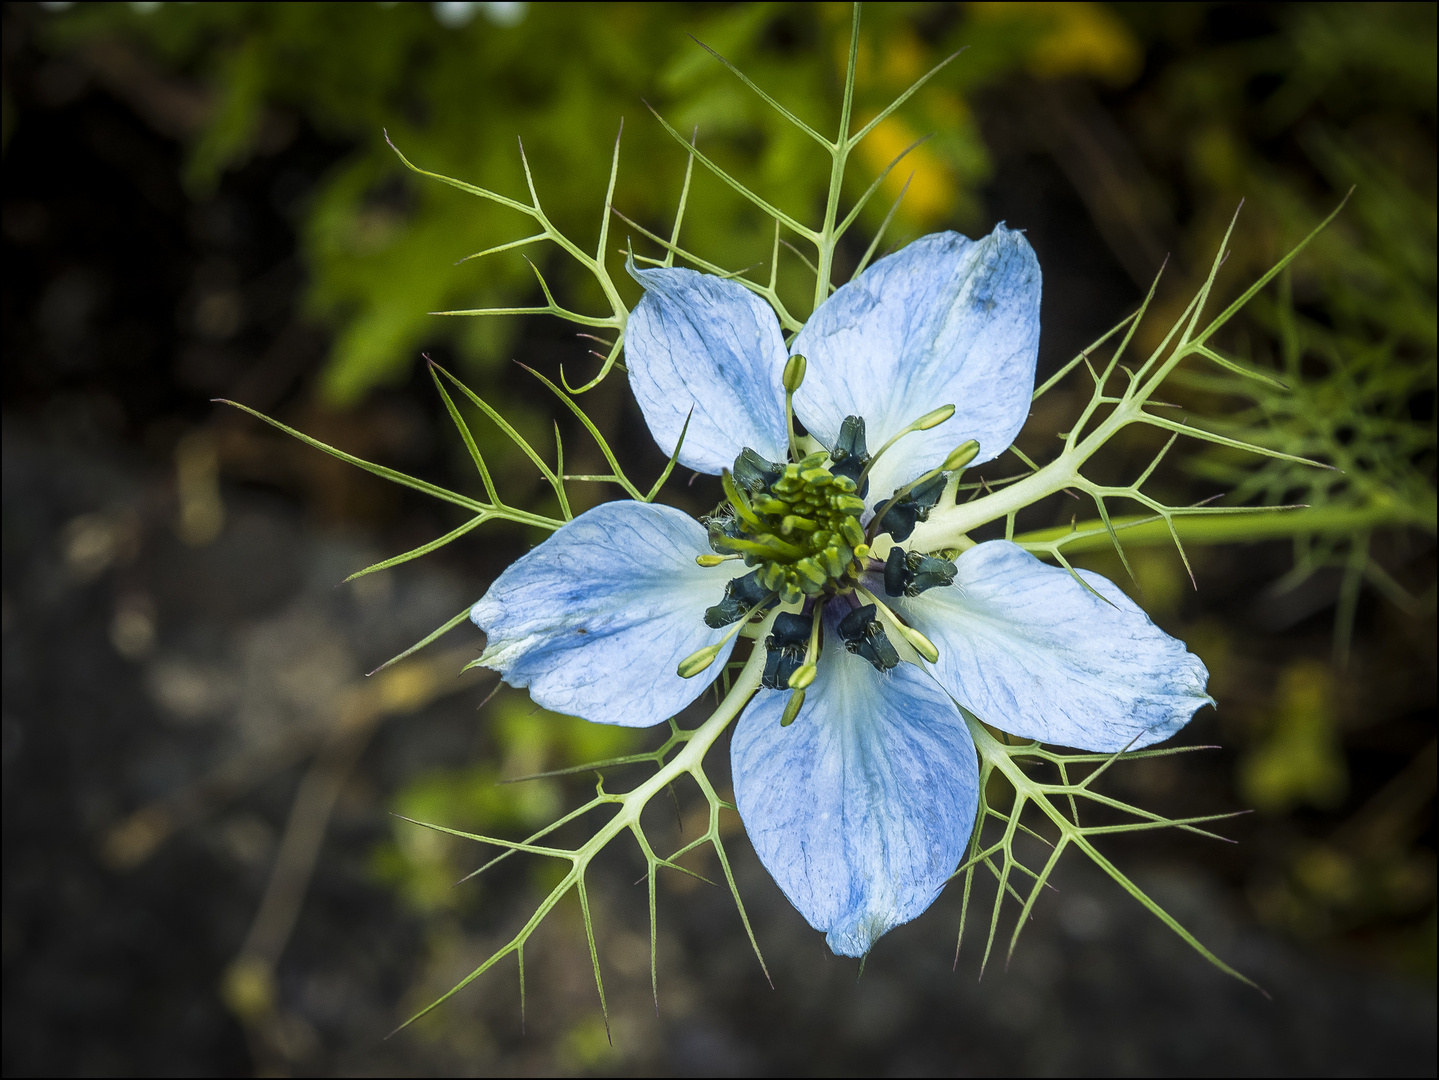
(854, 769)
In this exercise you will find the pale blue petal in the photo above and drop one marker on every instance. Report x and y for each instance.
(944, 321)
(863, 807)
(1031, 651)
(596, 619)
(696, 341)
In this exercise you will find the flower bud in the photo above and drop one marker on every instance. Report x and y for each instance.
(794, 369)
(934, 419)
(960, 456)
(696, 662)
(792, 708)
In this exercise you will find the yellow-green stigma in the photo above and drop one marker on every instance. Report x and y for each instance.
(798, 523)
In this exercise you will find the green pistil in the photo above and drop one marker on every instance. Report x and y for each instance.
(801, 529)
(790, 522)
(764, 547)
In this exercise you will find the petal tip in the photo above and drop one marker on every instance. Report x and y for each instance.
(853, 942)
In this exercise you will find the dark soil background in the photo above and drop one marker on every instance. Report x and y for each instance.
(151, 666)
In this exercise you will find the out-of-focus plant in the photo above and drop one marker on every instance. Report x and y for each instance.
(1350, 342)
(455, 84)
(1340, 100)
(1342, 96)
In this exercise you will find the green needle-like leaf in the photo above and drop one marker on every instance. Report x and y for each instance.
(428, 639)
(423, 549)
(766, 98)
(778, 215)
(393, 475)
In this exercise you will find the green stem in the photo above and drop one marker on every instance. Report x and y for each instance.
(948, 526)
(839, 155)
(1230, 528)
(689, 760)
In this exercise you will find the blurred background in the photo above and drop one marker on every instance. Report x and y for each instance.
(202, 873)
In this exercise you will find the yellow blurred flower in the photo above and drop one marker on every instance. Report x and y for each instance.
(1079, 39)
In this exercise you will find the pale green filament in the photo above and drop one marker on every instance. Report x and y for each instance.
(918, 641)
(805, 673)
(958, 458)
(700, 659)
(924, 423)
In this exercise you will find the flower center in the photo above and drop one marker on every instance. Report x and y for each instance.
(798, 523)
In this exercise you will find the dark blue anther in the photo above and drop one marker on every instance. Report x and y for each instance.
(896, 573)
(899, 520)
(864, 636)
(755, 473)
(787, 642)
(907, 573)
(857, 623)
(850, 454)
(741, 594)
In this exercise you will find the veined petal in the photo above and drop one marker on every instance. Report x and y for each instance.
(596, 619)
(696, 341)
(1030, 650)
(946, 320)
(863, 807)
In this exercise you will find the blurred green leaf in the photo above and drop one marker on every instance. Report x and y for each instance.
(1300, 760)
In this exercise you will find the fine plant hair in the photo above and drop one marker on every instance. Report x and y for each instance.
(1283, 481)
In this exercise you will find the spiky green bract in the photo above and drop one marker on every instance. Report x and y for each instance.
(1057, 805)
(494, 508)
(681, 755)
(1327, 456)
(594, 264)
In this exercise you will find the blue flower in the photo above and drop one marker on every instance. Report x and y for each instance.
(854, 770)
